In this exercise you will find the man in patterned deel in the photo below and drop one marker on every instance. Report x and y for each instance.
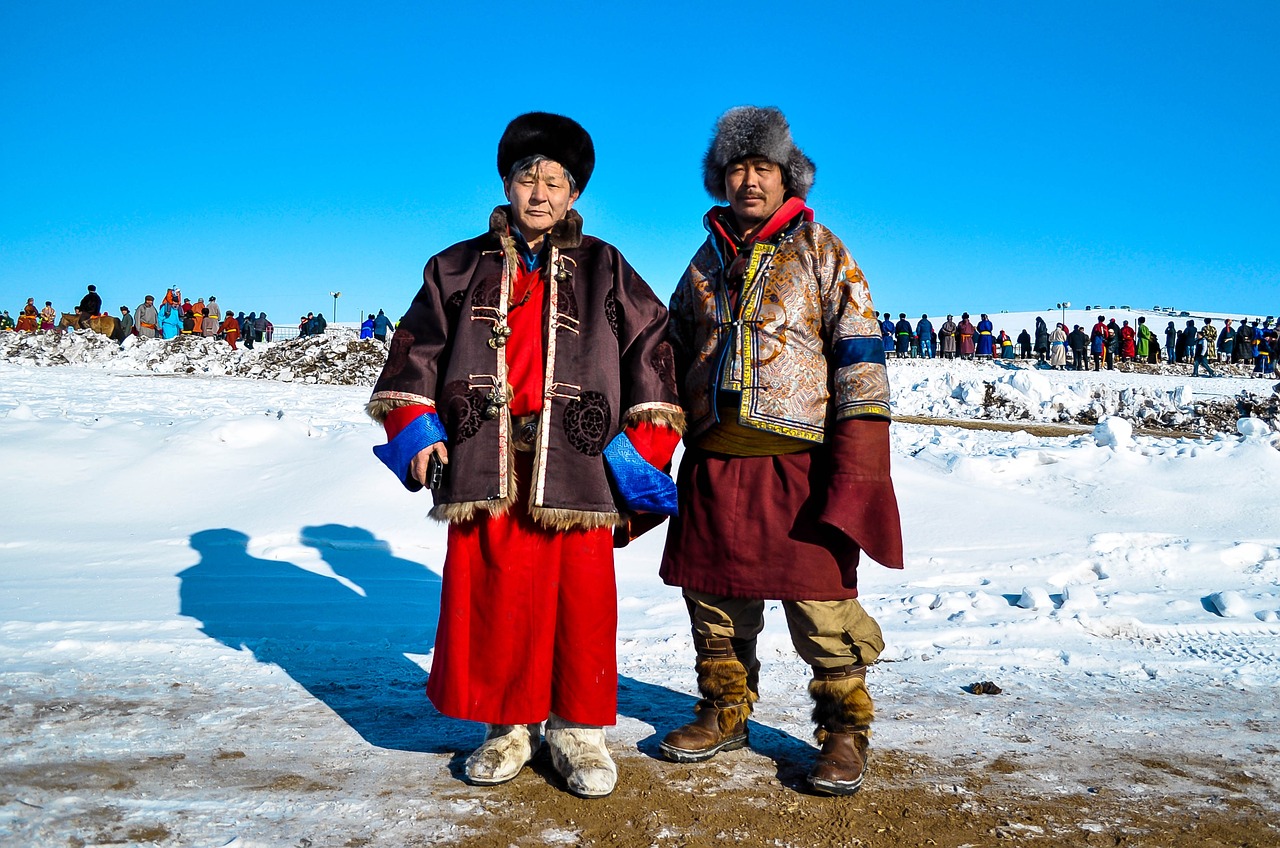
(785, 476)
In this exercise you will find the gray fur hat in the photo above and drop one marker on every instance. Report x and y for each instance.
(755, 131)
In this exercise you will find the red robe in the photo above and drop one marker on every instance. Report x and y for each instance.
(1127, 347)
(528, 615)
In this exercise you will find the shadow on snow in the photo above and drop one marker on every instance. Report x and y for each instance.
(346, 646)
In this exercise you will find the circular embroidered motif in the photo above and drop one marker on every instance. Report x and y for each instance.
(586, 423)
(611, 311)
(463, 412)
(663, 362)
(566, 301)
(488, 293)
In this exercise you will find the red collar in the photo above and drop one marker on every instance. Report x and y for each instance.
(719, 218)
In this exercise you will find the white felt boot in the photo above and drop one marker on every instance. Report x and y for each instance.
(579, 754)
(507, 748)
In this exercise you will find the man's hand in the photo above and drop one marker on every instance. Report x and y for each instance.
(418, 466)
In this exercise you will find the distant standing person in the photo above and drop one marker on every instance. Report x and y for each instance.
(381, 326)
(170, 321)
(985, 340)
(924, 331)
(965, 333)
(1128, 343)
(1098, 342)
(1206, 349)
(126, 323)
(1079, 341)
(947, 338)
(889, 330)
(1145, 338)
(1024, 344)
(1042, 340)
(48, 317)
(147, 318)
(902, 330)
(1226, 340)
(1058, 348)
(231, 329)
(1170, 341)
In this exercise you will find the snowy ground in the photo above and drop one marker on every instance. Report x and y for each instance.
(216, 609)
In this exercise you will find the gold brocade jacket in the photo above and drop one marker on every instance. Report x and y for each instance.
(803, 346)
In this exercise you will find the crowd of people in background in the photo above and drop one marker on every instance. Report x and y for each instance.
(1253, 342)
(176, 316)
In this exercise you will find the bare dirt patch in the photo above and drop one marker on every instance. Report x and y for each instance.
(907, 801)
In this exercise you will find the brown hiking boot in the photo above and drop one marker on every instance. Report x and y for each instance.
(721, 724)
(841, 763)
(843, 711)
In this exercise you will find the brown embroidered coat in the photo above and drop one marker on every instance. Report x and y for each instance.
(607, 364)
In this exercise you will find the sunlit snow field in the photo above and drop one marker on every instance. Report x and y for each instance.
(199, 569)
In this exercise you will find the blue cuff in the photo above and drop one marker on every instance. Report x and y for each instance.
(642, 487)
(396, 454)
(855, 350)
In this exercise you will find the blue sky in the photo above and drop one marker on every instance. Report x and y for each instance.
(973, 156)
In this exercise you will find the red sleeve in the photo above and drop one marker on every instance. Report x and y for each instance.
(653, 441)
(861, 502)
(402, 416)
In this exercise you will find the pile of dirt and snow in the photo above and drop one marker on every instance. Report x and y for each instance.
(1166, 399)
(1171, 401)
(338, 357)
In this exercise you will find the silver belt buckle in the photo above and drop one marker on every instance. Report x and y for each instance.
(524, 432)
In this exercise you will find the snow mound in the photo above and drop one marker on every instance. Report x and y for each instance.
(1113, 432)
(338, 357)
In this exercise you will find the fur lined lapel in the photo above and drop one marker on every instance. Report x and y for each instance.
(567, 233)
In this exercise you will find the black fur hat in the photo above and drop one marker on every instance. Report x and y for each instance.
(755, 131)
(554, 136)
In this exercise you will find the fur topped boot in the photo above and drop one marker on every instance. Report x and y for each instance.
(727, 681)
(506, 749)
(843, 712)
(578, 752)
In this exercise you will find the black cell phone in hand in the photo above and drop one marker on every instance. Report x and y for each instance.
(435, 472)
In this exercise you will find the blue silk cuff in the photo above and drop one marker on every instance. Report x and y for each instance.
(424, 431)
(855, 350)
(642, 487)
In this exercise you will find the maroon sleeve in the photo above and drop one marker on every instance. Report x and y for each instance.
(860, 499)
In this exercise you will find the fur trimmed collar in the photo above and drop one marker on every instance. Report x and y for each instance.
(565, 234)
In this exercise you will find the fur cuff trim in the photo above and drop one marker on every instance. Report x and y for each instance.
(381, 404)
(656, 413)
(573, 519)
(843, 704)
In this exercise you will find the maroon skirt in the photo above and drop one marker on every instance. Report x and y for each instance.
(749, 528)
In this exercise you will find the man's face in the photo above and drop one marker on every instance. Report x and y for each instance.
(540, 198)
(755, 190)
